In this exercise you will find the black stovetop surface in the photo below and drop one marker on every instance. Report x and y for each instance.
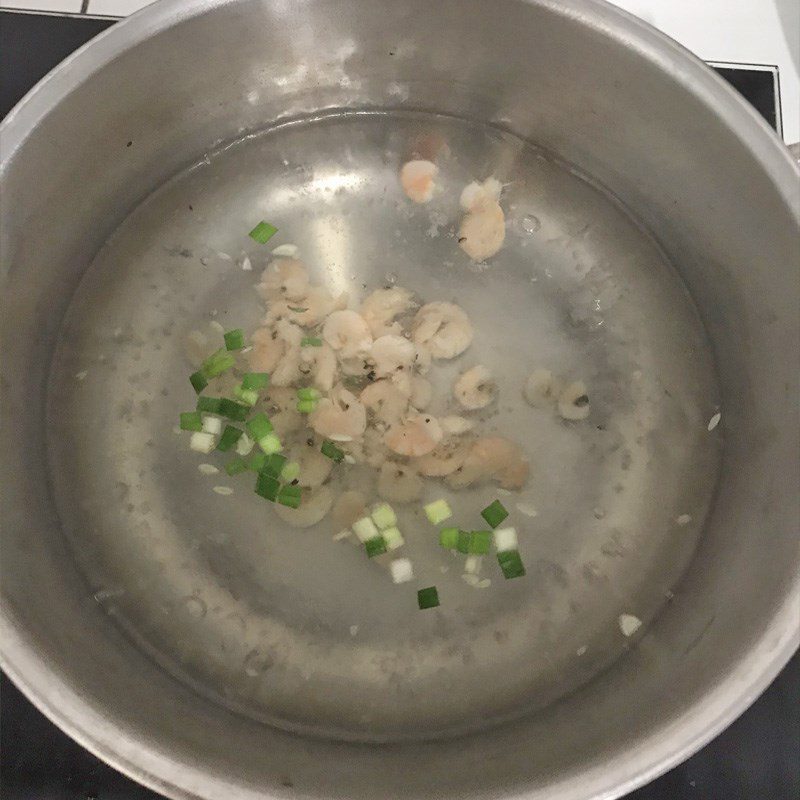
(757, 758)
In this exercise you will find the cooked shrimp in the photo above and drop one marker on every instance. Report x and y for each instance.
(356, 367)
(314, 467)
(399, 483)
(417, 180)
(267, 350)
(321, 363)
(422, 358)
(308, 311)
(453, 425)
(416, 436)
(542, 388)
(573, 402)
(385, 400)
(373, 449)
(475, 388)
(492, 457)
(477, 196)
(340, 417)
(381, 307)
(287, 370)
(483, 232)
(391, 354)
(284, 278)
(402, 380)
(444, 328)
(314, 505)
(347, 333)
(421, 392)
(445, 459)
(349, 507)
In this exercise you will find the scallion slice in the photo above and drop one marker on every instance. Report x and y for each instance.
(479, 542)
(259, 426)
(463, 542)
(375, 546)
(494, 513)
(511, 564)
(393, 538)
(290, 472)
(438, 511)
(234, 340)
(236, 466)
(217, 363)
(306, 406)
(229, 438)
(365, 529)
(273, 464)
(232, 410)
(257, 461)
(267, 486)
(255, 380)
(209, 404)
(297, 309)
(308, 393)
(191, 421)
(330, 450)
(198, 381)
(270, 444)
(289, 496)
(428, 597)
(383, 516)
(263, 232)
(247, 396)
(311, 341)
(448, 538)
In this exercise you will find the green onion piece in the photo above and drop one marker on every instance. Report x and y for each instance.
(236, 466)
(257, 461)
(247, 396)
(297, 309)
(263, 232)
(273, 464)
(306, 406)
(448, 538)
(332, 451)
(308, 393)
(289, 496)
(375, 546)
(270, 444)
(217, 363)
(310, 341)
(479, 542)
(267, 486)
(191, 421)
(209, 404)
(463, 542)
(198, 381)
(259, 426)
(232, 410)
(229, 438)
(494, 513)
(234, 340)
(393, 538)
(255, 380)
(438, 511)
(428, 598)
(384, 517)
(290, 472)
(511, 564)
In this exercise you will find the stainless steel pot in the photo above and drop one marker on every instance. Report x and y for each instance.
(597, 88)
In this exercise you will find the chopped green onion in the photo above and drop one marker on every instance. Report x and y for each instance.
(263, 232)
(273, 464)
(255, 380)
(229, 438)
(267, 486)
(198, 381)
(448, 538)
(494, 513)
(270, 444)
(191, 421)
(438, 511)
(384, 517)
(393, 538)
(308, 393)
(289, 496)
(375, 546)
(202, 442)
(511, 564)
(428, 598)
(247, 396)
(236, 466)
(479, 542)
(257, 461)
(259, 426)
(209, 404)
(297, 309)
(505, 539)
(306, 406)
(217, 363)
(290, 472)
(212, 425)
(365, 529)
(233, 410)
(332, 451)
(463, 542)
(234, 340)
(311, 341)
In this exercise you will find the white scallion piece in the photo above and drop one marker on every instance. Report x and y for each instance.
(581, 650)
(483, 583)
(438, 511)
(393, 538)
(286, 251)
(365, 529)
(79, 376)
(244, 445)
(345, 534)
(470, 579)
(207, 469)
(401, 570)
(505, 539)
(472, 565)
(212, 425)
(223, 490)
(684, 519)
(384, 517)
(353, 630)
(217, 326)
(714, 421)
(202, 442)
(629, 624)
